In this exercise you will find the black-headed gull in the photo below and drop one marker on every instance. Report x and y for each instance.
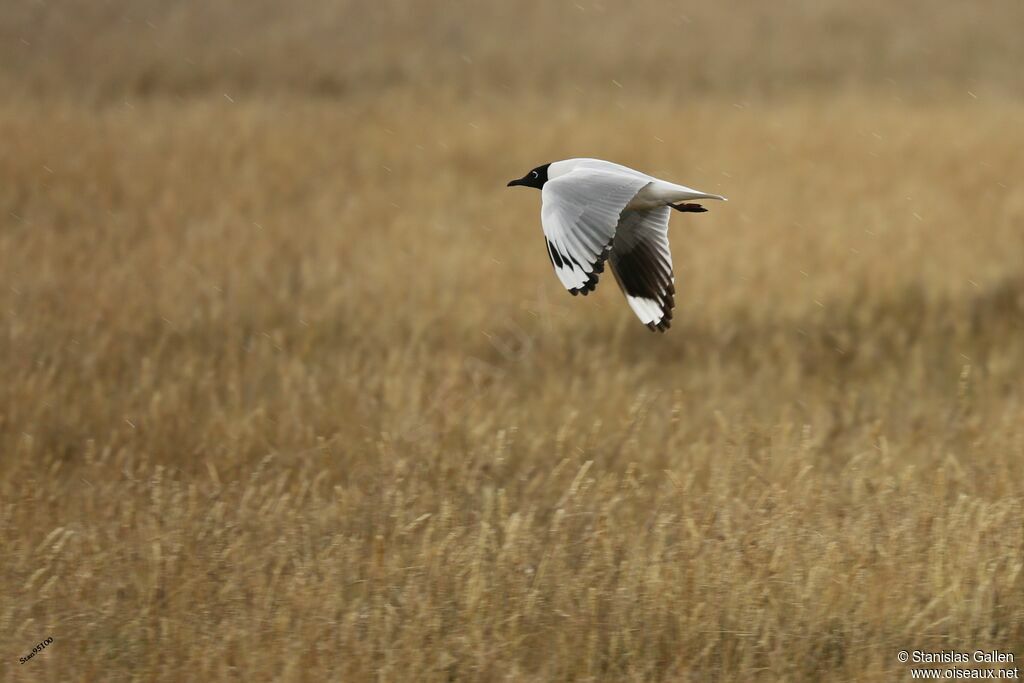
(593, 210)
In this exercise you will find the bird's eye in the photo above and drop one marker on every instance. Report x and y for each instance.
(535, 174)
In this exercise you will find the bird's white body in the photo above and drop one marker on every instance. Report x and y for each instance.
(594, 210)
(654, 194)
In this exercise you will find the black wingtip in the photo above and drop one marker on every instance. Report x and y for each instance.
(660, 326)
(688, 208)
(591, 284)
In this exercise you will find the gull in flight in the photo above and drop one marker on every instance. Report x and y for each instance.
(593, 211)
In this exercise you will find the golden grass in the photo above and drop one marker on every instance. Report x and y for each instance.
(289, 390)
(118, 49)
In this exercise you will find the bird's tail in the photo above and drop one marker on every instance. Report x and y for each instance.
(681, 193)
(687, 194)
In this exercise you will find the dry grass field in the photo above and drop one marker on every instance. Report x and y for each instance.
(290, 392)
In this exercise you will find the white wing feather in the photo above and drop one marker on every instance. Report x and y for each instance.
(580, 212)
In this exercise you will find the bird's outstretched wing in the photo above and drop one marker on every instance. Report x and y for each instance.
(642, 265)
(580, 212)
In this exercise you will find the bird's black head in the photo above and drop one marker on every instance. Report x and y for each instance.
(535, 178)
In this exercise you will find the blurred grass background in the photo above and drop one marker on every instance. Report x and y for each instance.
(290, 391)
(123, 48)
